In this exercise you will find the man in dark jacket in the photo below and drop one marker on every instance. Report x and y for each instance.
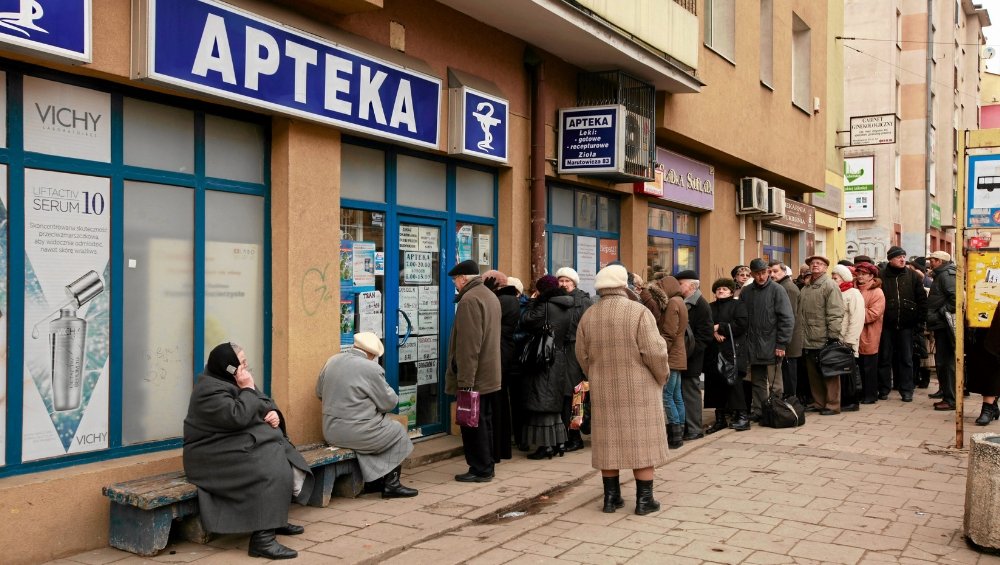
(940, 301)
(790, 363)
(474, 364)
(702, 329)
(770, 329)
(905, 313)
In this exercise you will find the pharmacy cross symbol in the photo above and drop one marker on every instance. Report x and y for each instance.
(486, 121)
(31, 11)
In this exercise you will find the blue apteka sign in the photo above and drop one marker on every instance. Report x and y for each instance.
(589, 140)
(481, 121)
(58, 28)
(212, 47)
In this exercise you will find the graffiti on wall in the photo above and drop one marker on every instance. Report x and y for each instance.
(873, 242)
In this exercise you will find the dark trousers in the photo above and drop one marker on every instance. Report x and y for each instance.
(944, 363)
(790, 376)
(802, 382)
(478, 442)
(895, 361)
(868, 365)
(691, 393)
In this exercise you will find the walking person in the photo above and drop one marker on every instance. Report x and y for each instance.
(569, 280)
(550, 310)
(730, 317)
(866, 275)
(474, 364)
(790, 362)
(700, 322)
(621, 351)
(769, 331)
(663, 299)
(850, 332)
(984, 369)
(821, 313)
(905, 314)
(940, 304)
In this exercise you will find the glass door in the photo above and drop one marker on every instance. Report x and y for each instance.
(419, 362)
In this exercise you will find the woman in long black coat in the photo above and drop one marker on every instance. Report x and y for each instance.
(982, 371)
(507, 417)
(237, 454)
(546, 386)
(731, 319)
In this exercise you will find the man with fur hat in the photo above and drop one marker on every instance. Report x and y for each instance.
(821, 313)
(703, 333)
(905, 314)
(474, 364)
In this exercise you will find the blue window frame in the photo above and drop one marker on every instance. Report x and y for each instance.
(583, 231)
(203, 187)
(671, 240)
(777, 246)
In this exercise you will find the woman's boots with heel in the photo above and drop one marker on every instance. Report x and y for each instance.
(990, 412)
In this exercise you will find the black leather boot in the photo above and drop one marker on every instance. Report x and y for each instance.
(720, 422)
(612, 494)
(575, 441)
(990, 412)
(263, 544)
(675, 436)
(644, 503)
(741, 422)
(393, 488)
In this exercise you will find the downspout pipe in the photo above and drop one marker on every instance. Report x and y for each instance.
(536, 74)
(929, 130)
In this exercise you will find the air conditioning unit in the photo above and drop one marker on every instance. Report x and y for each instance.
(752, 197)
(775, 204)
(638, 155)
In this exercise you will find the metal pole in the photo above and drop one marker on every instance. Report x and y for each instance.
(960, 263)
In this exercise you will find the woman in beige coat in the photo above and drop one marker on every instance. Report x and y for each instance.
(621, 351)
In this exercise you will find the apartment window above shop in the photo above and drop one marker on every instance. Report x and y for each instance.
(767, 43)
(720, 27)
(801, 65)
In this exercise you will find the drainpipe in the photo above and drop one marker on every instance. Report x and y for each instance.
(537, 77)
(928, 141)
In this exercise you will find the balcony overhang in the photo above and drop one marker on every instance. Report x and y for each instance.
(579, 39)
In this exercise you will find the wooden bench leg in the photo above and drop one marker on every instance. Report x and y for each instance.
(323, 480)
(190, 529)
(349, 482)
(145, 532)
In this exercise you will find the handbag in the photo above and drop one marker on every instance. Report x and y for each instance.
(467, 409)
(726, 366)
(835, 358)
(779, 412)
(539, 353)
(578, 410)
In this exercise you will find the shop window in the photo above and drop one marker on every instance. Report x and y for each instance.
(475, 241)
(583, 232)
(362, 173)
(157, 347)
(561, 209)
(361, 273)
(234, 150)
(158, 136)
(475, 191)
(607, 214)
(671, 241)
(420, 183)
(777, 246)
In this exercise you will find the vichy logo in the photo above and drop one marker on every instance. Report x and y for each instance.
(21, 22)
(68, 120)
(487, 122)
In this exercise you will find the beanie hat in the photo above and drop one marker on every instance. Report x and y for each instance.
(570, 274)
(612, 276)
(844, 272)
(516, 283)
(895, 251)
(546, 283)
(724, 283)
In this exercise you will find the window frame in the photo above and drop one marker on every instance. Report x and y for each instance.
(575, 231)
(678, 238)
(729, 10)
(801, 64)
(767, 44)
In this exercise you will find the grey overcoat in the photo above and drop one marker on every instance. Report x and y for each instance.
(240, 464)
(356, 400)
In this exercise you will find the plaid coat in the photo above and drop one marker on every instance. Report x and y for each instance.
(620, 349)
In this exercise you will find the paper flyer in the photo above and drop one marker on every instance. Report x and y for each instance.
(427, 347)
(463, 243)
(428, 322)
(346, 264)
(379, 263)
(427, 372)
(408, 351)
(364, 265)
(484, 253)
(408, 238)
(347, 318)
(408, 403)
(586, 262)
(430, 240)
(418, 268)
(429, 297)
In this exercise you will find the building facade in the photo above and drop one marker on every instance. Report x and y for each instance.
(903, 192)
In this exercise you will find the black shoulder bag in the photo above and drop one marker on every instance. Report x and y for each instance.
(539, 353)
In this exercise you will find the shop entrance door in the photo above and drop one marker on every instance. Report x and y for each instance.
(419, 364)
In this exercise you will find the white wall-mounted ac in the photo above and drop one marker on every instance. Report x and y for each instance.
(637, 145)
(752, 196)
(775, 204)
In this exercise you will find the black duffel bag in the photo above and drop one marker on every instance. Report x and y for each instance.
(778, 412)
(836, 358)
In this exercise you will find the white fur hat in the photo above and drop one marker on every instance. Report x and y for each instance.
(369, 343)
(570, 274)
(516, 283)
(612, 276)
(844, 273)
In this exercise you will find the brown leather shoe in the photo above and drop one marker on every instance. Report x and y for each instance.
(943, 406)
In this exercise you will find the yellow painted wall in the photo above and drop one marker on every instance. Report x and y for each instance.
(663, 24)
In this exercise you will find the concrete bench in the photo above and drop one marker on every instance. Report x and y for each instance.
(143, 510)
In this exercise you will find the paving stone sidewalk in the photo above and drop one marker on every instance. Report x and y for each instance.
(882, 485)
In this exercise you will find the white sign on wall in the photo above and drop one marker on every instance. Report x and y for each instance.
(873, 130)
(65, 120)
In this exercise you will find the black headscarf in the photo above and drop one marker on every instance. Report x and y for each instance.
(220, 359)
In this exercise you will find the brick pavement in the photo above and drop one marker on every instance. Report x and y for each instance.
(878, 486)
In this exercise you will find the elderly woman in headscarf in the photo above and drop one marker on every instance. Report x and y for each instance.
(356, 399)
(237, 454)
(620, 349)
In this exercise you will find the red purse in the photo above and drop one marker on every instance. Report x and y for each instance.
(467, 409)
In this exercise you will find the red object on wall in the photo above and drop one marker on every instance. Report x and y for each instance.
(989, 116)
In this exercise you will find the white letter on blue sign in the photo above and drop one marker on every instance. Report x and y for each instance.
(335, 84)
(368, 94)
(214, 35)
(255, 65)
(402, 109)
(303, 57)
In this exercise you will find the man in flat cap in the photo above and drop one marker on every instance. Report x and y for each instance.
(769, 332)
(821, 314)
(941, 306)
(702, 332)
(474, 364)
(905, 314)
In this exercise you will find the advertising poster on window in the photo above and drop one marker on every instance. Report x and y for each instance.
(3, 310)
(364, 266)
(66, 315)
(233, 304)
(609, 251)
(463, 243)
(859, 188)
(408, 403)
(66, 120)
(586, 262)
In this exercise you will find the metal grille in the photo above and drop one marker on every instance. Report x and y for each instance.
(639, 99)
(689, 5)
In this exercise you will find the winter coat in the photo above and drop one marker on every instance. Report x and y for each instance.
(240, 464)
(546, 387)
(700, 321)
(664, 301)
(795, 346)
(510, 315)
(854, 318)
(356, 399)
(620, 349)
(942, 296)
(771, 323)
(983, 362)
(905, 299)
(874, 310)
(474, 345)
(731, 316)
(821, 312)
(581, 301)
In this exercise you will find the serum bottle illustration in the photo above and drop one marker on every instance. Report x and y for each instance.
(67, 341)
